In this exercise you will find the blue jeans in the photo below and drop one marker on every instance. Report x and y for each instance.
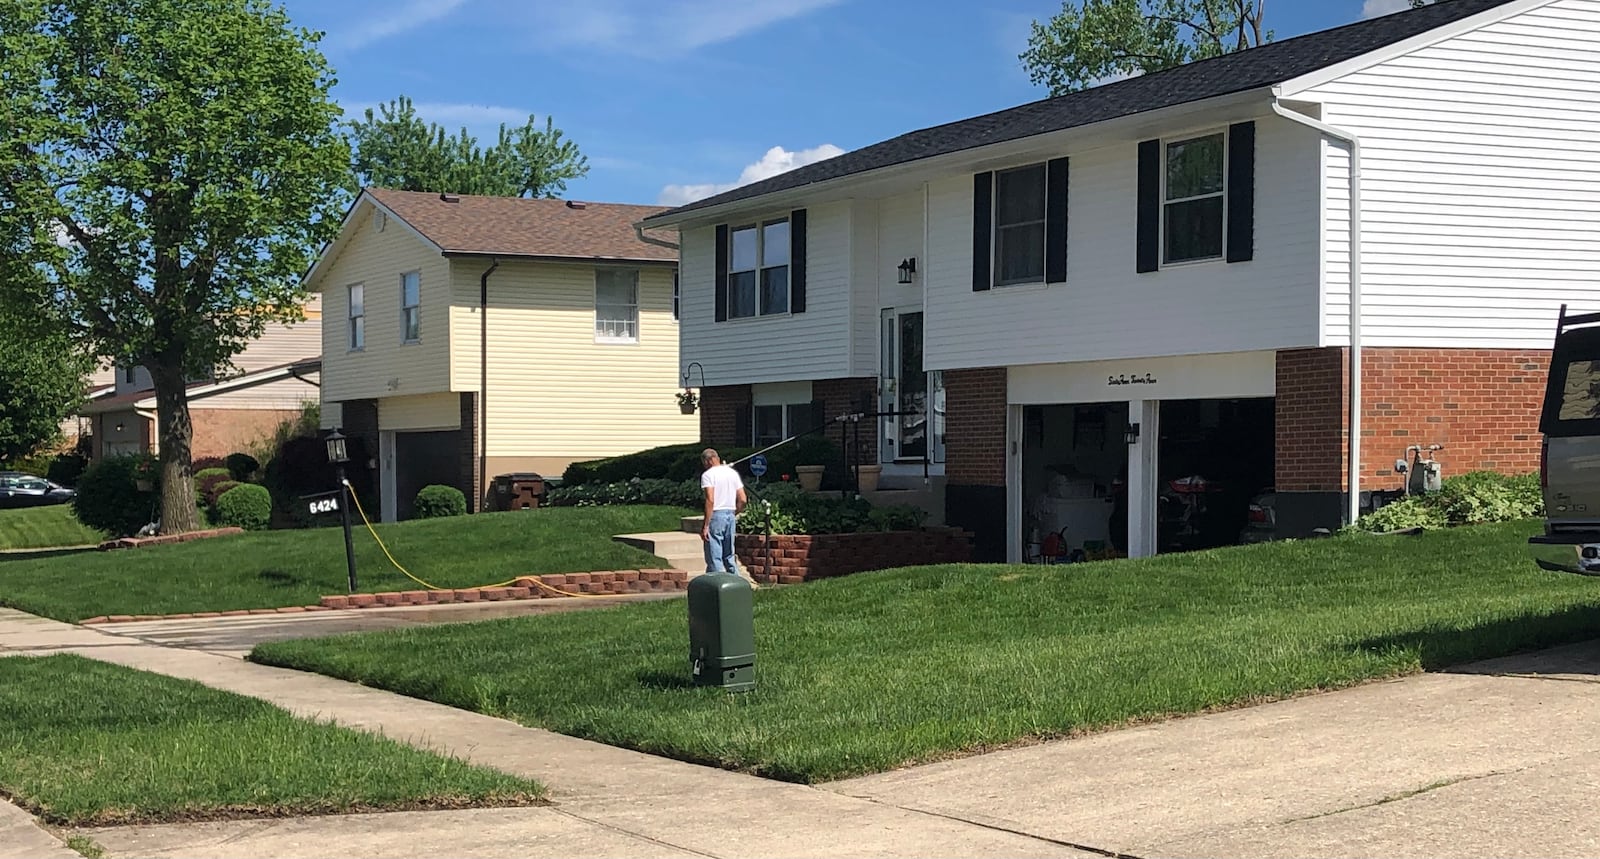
(719, 549)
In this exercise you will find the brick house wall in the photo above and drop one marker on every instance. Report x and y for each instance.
(1482, 405)
(219, 432)
(975, 458)
(725, 412)
(846, 396)
(468, 446)
(720, 408)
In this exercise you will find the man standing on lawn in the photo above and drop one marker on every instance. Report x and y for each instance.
(725, 499)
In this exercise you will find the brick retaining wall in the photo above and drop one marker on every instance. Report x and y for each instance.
(803, 558)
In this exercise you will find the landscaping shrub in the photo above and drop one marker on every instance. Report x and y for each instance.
(109, 501)
(671, 493)
(437, 500)
(246, 506)
(66, 468)
(241, 466)
(205, 462)
(206, 481)
(38, 466)
(1472, 498)
(795, 511)
(668, 462)
(300, 467)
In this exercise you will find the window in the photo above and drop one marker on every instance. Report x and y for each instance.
(616, 305)
(774, 423)
(1019, 226)
(1192, 203)
(358, 317)
(410, 306)
(758, 269)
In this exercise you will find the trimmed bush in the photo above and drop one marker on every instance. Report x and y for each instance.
(241, 466)
(206, 483)
(437, 500)
(300, 467)
(66, 468)
(109, 501)
(658, 463)
(670, 493)
(205, 462)
(246, 506)
(795, 511)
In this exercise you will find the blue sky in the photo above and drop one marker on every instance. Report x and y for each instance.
(675, 99)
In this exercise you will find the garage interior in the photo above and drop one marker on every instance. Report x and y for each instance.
(1212, 458)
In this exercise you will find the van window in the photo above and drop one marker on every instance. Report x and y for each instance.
(1572, 394)
(1580, 390)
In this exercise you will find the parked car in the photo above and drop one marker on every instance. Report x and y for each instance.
(1569, 457)
(27, 490)
(1261, 519)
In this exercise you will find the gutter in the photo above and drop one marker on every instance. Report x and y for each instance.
(638, 230)
(483, 382)
(1349, 138)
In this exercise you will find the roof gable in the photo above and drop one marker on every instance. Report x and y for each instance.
(518, 226)
(1267, 65)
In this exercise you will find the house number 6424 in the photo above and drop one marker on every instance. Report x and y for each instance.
(325, 505)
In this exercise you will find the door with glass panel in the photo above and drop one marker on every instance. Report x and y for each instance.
(912, 398)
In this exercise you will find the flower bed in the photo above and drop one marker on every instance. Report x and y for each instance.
(797, 558)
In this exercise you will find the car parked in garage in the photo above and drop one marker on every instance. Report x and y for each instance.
(27, 490)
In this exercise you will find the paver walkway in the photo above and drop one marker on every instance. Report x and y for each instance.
(1500, 758)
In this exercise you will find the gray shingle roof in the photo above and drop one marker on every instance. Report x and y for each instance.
(1267, 65)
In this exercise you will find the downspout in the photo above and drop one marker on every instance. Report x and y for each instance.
(1353, 503)
(483, 382)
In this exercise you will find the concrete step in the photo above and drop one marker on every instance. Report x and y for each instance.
(692, 524)
(681, 550)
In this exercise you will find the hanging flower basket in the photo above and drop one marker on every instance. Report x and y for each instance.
(687, 401)
(144, 474)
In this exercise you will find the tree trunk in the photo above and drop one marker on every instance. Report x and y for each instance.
(175, 434)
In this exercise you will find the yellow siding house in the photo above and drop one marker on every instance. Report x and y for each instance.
(466, 337)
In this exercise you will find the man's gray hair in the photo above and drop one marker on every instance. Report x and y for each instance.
(707, 455)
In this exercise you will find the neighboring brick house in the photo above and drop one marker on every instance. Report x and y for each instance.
(273, 378)
(1078, 303)
(559, 310)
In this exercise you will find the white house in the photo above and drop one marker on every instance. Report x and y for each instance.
(1075, 305)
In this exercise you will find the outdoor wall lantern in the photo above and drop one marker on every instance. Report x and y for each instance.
(119, 426)
(1131, 436)
(908, 267)
(336, 448)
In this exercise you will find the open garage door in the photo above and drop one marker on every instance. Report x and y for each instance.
(423, 459)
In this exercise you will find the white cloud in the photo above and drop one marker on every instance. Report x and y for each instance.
(662, 28)
(1376, 8)
(404, 18)
(777, 160)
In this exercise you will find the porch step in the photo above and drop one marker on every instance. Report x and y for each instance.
(681, 551)
(691, 525)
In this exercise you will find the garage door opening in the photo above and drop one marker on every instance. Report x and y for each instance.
(1214, 457)
(1074, 482)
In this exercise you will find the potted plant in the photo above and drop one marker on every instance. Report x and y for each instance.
(810, 476)
(144, 474)
(687, 401)
(867, 476)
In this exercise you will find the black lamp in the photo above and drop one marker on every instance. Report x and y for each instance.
(1131, 436)
(907, 267)
(338, 455)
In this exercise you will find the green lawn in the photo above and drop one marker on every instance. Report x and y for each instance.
(86, 743)
(279, 568)
(869, 672)
(44, 527)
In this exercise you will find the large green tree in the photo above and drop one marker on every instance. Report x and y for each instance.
(41, 372)
(395, 148)
(1091, 41)
(169, 168)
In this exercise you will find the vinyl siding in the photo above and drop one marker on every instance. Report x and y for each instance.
(385, 367)
(424, 412)
(1106, 309)
(864, 305)
(1480, 185)
(554, 391)
(811, 345)
(282, 395)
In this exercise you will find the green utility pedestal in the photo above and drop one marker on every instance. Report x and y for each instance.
(722, 637)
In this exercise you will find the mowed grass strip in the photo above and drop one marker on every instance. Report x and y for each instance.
(44, 528)
(85, 743)
(869, 672)
(284, 568)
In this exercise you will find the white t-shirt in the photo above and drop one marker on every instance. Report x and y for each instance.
(725, 485)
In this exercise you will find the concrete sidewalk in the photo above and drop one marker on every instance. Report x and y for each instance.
(1498, 758)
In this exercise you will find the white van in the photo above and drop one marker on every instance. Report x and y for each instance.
(1569, 461)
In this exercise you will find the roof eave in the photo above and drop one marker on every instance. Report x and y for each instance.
(1133, 125)
(562, 258)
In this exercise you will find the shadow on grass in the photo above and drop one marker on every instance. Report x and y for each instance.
(36, 554)
(664, 679)
(1516, 639)
(280, 578)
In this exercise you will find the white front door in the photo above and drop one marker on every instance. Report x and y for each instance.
(911, 398)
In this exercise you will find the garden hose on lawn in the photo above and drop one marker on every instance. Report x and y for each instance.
(374, 532)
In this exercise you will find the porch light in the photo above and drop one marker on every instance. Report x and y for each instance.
(336, 449)
(907, 267)
(1131, 436)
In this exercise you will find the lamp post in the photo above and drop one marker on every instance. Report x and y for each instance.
(339, 456)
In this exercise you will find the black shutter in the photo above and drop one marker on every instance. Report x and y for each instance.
(797, 261)
(744, 424)
(722, 273)
(982, 226)
(818, 415)
(1055, 221)
(1149, 229)
(1241, 191)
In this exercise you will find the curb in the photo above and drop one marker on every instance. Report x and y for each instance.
(618, 582)
(166, 539)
